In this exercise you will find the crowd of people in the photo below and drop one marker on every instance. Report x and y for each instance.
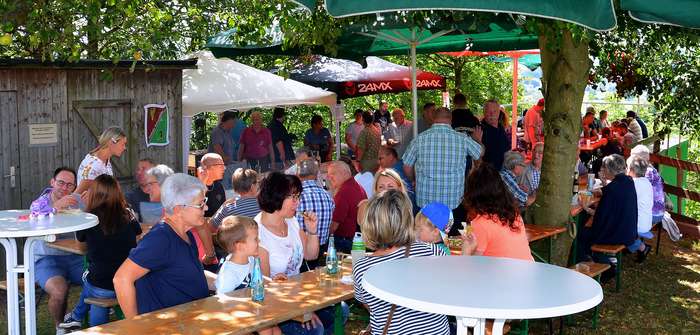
(404, 195)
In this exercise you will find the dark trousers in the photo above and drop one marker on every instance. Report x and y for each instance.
(343, 244)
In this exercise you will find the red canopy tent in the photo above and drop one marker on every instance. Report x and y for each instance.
(514, 56)
(349, 79)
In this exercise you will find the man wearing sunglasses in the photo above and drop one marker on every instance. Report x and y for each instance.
(55, 269)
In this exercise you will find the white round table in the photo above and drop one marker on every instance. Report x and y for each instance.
(475, 288)
(35, 230)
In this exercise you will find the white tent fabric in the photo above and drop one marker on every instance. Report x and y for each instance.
(221, 84)
(218, 85)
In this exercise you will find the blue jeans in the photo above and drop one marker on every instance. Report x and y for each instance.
(638, 242)
(98, 315)
(327, 316)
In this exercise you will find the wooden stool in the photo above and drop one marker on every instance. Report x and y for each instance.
(593, 270)
(616, 250)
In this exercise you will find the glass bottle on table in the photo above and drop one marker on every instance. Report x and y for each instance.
(257, 286)
(332, 257)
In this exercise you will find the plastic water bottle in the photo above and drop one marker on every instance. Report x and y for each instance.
(257, 287)
(332, 258)
(358, 248)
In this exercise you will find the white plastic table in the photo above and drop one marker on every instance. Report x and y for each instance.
(475, 288)
(44, 228)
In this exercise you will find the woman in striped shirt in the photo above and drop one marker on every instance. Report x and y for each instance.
(387, 227)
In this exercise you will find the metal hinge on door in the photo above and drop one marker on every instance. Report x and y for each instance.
(11, 176)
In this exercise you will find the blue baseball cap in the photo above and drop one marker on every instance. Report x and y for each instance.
(439, 215)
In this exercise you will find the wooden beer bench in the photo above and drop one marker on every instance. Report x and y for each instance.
(235, 313)
(69, 245)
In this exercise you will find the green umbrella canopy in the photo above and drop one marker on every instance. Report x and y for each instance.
(685, 13)
(594, 14)
(499, 32)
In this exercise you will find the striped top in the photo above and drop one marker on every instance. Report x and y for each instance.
(242, 207)
(404, 320)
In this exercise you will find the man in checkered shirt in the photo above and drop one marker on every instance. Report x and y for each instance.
(314, 199)
(437, 158)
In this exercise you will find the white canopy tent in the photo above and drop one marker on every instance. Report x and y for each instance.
(218, 85)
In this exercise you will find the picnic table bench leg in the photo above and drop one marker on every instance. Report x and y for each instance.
(618, 272)
(338, 324)
(658, 236)
(12, 287)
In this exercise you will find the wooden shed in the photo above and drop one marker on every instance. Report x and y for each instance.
(52, 113)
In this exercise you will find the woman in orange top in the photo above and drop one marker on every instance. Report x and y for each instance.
(497, 226)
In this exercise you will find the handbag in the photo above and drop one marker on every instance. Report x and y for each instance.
(368, 330)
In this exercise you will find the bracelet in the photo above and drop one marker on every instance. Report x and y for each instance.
(314, 233)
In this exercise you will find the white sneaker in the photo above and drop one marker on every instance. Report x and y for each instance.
(69, 322)
(60, 331)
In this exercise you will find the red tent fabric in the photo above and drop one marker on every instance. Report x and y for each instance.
(349, 79)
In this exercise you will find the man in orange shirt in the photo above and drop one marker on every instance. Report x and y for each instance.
(534, 125)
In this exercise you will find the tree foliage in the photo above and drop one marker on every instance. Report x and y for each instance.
(661, 61)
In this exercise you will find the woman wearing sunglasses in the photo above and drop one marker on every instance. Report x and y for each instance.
(164, 269)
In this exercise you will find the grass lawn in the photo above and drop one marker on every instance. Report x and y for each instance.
(661, 296)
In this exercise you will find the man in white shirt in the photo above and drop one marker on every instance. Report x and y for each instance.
(352, 133)
(403, 131)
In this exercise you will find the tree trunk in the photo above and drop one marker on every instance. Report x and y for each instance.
(458, 68)
(565, 68)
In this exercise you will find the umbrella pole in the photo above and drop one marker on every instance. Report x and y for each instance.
(514, 118)
(414, 88)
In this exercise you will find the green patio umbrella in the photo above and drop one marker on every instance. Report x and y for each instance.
(685, 13)
(395, 37)
(594, 14)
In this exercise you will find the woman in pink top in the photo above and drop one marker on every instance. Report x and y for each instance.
(255, 145)
(498, 229)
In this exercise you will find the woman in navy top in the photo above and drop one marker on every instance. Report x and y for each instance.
(164, 270)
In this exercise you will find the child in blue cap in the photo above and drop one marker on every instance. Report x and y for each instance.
(433, 220)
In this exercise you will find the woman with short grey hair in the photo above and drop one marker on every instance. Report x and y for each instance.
(164, 269)
(657, 183)
(637, 168)
(615, 217)
(155, 177)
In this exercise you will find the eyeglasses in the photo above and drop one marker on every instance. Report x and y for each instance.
(296, 196)
(212, 165)
(62, 183)
(200, 206)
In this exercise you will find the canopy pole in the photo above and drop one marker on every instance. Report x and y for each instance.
(414, 87)
(514, 117)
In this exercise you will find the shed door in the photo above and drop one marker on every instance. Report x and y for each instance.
(10, 197)
(89, 118)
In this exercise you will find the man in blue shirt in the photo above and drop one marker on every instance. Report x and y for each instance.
(438, 156)
(389, 159)
(314, 199)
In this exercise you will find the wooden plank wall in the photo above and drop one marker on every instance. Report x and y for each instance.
(162, 86)
(46, 96)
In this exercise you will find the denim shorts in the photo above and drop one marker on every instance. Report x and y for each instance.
(69, 267)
